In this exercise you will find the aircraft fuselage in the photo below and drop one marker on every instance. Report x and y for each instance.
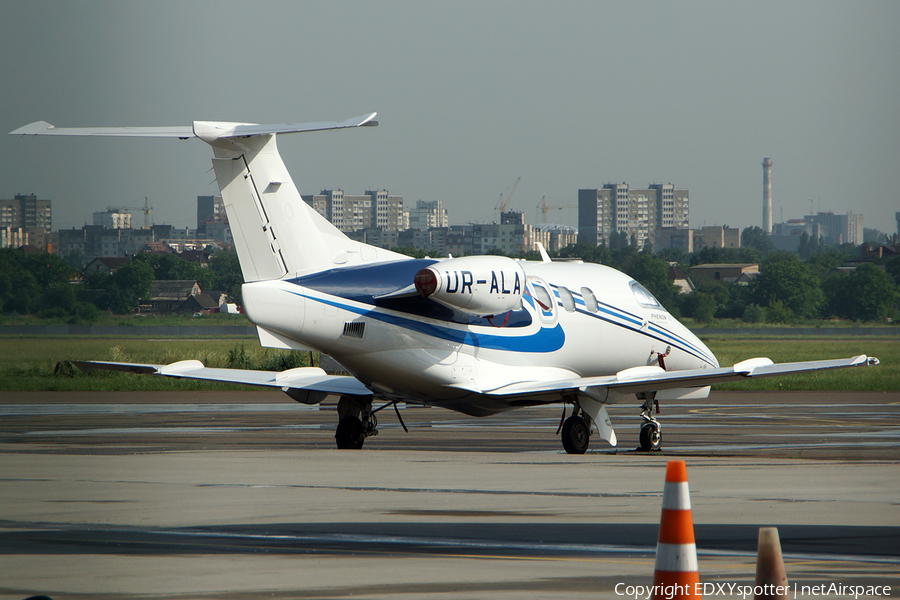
(574, 320)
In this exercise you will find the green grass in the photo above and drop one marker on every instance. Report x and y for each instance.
(149, 320)
(28, 364)
(884, 377)
(798, 324)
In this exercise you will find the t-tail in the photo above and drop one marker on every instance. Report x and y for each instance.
(276, 234)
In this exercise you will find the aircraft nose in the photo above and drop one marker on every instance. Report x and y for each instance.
(703, 355)
(707, 352)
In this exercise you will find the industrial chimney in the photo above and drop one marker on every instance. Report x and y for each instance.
(767, 195)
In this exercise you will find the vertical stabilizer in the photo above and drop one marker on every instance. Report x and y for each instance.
(276, 233)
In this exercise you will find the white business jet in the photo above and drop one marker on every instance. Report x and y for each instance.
(475, 334)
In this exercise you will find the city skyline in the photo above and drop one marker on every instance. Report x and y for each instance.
(470, 97)
(410, 207)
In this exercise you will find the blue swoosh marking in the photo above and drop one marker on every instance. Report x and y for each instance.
(545, 340)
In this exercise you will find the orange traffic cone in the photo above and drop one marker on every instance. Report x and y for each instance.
(771, 580)
(676, 574)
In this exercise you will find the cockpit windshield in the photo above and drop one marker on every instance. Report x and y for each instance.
(644, 297)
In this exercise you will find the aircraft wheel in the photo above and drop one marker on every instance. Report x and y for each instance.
(575, 435)
(651, 438)
(350, 434)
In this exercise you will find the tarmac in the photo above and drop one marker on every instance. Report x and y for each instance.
(241, 495)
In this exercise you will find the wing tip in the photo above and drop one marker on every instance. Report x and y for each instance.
(35, 128)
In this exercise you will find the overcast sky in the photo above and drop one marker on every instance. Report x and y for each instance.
(470, 96)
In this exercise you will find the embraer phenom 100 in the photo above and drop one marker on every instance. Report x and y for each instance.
(475, 334)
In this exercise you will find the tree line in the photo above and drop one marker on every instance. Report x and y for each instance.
(46, 285)
(788, 288)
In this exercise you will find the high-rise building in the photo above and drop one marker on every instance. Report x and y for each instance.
(428, 214)
(836, 229)
(673, 207)
(212, 220)
(113, 219)
(351, 213)
(689, 240)
(99, 241)
(553, 237)
(638, 213)
(28, 214)
(209, 208)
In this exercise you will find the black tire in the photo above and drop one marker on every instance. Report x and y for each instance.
(350, 434)
(651, 438)
(575, 435)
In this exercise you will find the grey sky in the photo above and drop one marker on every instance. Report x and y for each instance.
(470, 96)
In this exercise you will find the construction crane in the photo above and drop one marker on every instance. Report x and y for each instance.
(146, 209)
(546, 207)
(503, 204)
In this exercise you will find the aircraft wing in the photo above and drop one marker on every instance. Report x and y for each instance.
(653, 378)
(311, 379)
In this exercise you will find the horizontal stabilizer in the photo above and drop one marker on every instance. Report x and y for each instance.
(311, 379)
(45, 128)
(248, 129)
(206, 130)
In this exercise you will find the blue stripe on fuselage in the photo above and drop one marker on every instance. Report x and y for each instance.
(364, 283)
(659, 333)
(360, 284)
(545, 339)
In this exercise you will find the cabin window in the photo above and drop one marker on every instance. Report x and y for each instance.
(543, 298)
(644, 297)
(590, 301)
(565, 296)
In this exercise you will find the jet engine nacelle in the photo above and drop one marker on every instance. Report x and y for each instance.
(478, 285)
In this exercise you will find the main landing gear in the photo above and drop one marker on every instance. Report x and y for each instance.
(576, 435)
(651, 437)
(357, 421)
(575, 431)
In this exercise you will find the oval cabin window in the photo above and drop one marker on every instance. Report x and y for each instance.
(543, 298)
(568, 301)
(590, 301)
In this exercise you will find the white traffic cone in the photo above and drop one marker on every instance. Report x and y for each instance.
(771, 579)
